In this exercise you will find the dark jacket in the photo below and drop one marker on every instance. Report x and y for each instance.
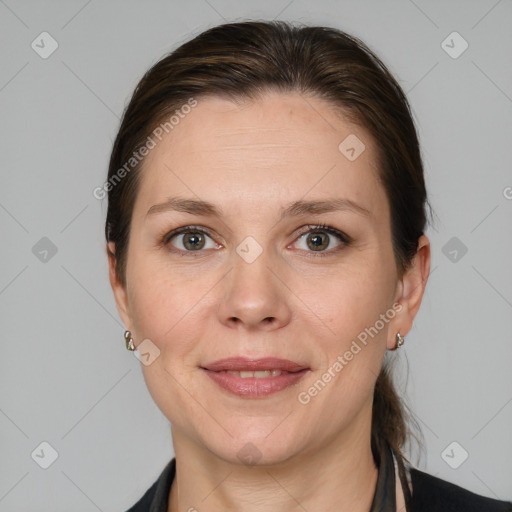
(429, 494)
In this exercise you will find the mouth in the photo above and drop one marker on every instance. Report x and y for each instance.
(255, 378)
(260, 374)
(243, 364)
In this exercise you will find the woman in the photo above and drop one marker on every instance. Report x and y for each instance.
(265, 237)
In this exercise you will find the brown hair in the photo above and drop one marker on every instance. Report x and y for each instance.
(243, 60)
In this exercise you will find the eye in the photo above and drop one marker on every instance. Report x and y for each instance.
(319, 238)
(190, 239)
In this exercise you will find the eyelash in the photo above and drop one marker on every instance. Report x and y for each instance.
(310, 228)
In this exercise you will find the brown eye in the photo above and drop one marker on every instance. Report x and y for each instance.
(190, 240)
(317, 241)
(193, 241)
(320, 237)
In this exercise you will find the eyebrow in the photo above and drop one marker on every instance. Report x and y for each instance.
(295, 209)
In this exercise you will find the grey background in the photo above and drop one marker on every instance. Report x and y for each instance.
(66, 377)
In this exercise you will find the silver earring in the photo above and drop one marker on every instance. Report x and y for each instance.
(129, 340)
(399, 340)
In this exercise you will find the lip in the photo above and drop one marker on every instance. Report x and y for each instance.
(254, 387)
(245, 364)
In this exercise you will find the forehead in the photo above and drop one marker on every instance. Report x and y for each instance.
(282, 146)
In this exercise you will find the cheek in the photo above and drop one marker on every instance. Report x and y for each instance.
(170, 307)
(350, 304)
(347, 299)
(354, 347)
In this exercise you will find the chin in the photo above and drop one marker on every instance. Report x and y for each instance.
(258, 449)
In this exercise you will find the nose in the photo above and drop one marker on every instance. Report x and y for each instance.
(254, 297)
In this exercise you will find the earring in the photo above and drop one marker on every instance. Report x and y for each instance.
(399, 340)
(129, 340)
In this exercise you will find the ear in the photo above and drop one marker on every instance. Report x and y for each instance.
(119, 290)
(409, 293)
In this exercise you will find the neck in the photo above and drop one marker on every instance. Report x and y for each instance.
(341, 475)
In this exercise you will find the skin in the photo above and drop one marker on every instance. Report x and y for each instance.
(252, 159)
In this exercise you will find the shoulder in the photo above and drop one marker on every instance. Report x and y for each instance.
(156, 497)
(144, 503)
(430, 493)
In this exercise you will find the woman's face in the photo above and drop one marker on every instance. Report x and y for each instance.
(251, 276)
